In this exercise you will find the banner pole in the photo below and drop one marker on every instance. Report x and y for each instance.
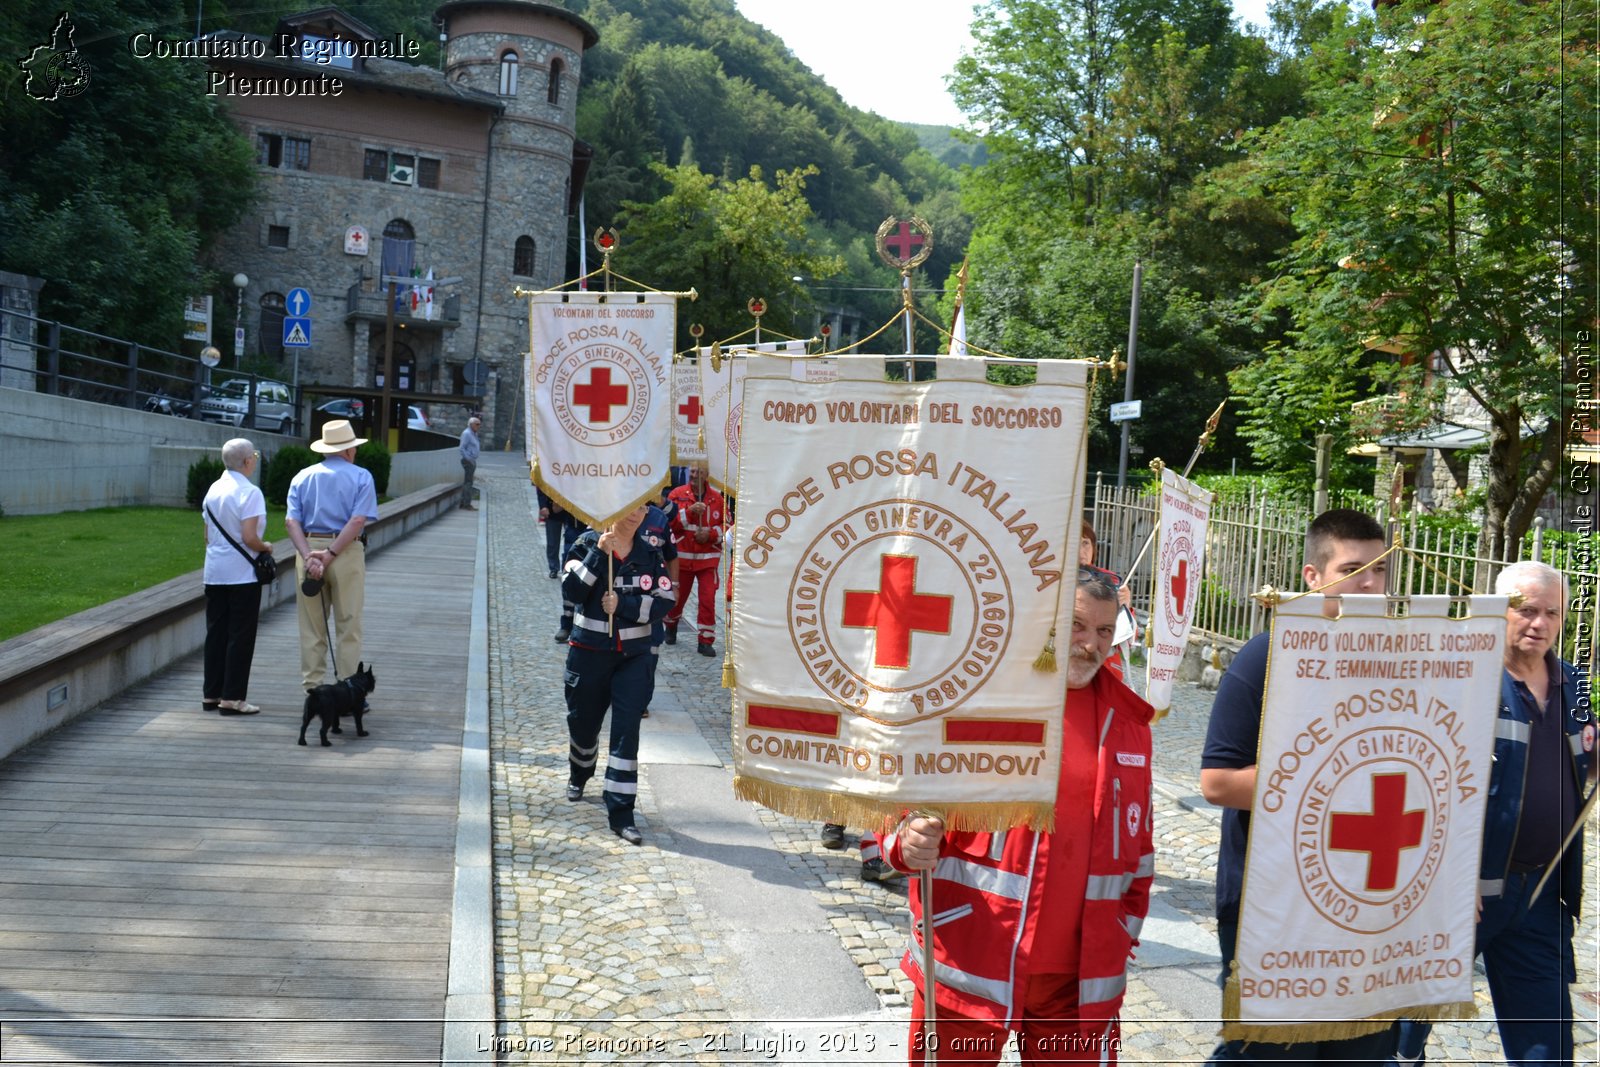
(929, 1012)
(1194, 457)
(1577, 824)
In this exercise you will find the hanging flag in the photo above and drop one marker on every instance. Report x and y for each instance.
(958, 322)
(721, 390)
(688, 414)
(601, 387)
(1180, 551)
(904, 549)
(1361, 878)
(428, 310)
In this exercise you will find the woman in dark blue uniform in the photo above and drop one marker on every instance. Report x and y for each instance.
(609, 661)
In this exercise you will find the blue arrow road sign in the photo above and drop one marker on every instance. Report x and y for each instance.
(296, 332)
(298, 303)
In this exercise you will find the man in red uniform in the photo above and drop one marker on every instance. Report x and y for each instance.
(1033, 931)
(697, 521)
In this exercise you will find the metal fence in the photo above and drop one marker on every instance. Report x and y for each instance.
(1261, 541)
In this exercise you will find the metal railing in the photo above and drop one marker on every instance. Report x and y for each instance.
(1261, 541)
(63, 360)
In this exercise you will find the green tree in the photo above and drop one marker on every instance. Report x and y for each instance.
(113, 195)
(1448, 227)
(730, 240)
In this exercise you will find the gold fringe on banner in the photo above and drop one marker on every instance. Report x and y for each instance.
(1046, 660)
(728, 680)
(817, 805)
(1234, 1030)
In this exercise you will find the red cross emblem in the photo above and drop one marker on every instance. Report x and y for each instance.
(904, 242)
(1383, 834)
(897, 611)
(691, 410)
(1180, 585)
(599, 395)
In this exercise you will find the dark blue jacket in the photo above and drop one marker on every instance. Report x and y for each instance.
(1508, 775)
(644, 595)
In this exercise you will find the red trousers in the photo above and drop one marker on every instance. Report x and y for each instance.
(706, 610)
(1051, 1032)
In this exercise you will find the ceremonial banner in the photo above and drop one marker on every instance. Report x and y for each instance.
(1180, 550)
(903, 552)
(1360, 881)
(688, 415)
(602, 396)
(721, 387)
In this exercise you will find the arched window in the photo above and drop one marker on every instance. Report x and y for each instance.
(270, 340)
(523, 257)
(553, 91)
(508, 74)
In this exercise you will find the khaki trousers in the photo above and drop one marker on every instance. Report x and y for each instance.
(344, 589)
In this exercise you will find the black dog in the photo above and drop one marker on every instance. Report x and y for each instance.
(330, 703)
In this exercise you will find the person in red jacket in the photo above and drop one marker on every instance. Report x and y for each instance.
(697, 520)
(1033, 931)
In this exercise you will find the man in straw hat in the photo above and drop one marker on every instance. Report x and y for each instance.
(1035, 930)
(329, 505)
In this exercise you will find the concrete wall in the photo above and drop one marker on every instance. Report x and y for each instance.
(87, 658)
(58, 454)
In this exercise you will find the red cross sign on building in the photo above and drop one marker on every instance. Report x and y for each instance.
(691, 410)
(599, 395)
(1383, 834)
(897, 611)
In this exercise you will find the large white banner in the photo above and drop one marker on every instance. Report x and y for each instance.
(903, 551)
(688, 415)
(1361, 878)
(721, 390)
(602, 399)
(1180, 552)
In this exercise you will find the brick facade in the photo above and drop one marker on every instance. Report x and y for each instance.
(502, 166)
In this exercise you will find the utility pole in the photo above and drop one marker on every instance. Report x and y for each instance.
(1127, 385)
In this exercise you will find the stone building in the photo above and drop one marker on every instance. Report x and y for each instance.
(470, 172)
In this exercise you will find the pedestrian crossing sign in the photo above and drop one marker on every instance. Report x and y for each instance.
(296, 333)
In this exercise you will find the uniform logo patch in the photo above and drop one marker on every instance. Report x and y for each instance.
(1131, 759)
(645, 582)
(1588, 738)
(1135, 811)
(666, 585)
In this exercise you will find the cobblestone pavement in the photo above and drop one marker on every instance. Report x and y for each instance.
(608, 953)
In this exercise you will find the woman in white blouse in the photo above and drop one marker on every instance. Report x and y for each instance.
(233, 596)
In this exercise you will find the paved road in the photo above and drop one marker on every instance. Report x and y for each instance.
(732, 935)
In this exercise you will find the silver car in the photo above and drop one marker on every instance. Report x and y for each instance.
(230, 403)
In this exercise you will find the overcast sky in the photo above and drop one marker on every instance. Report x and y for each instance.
(860, 48)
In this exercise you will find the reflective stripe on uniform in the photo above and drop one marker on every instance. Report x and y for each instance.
(1491, 887)
(1575, 742)
(1107, 886)
(617, 763)
(600, 626)
(1147, 866)
(1133, 924)
(993, 990)
(1511, 730)
(1098, 990)
(984, 879)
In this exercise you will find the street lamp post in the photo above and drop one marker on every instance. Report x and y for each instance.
(240, 280)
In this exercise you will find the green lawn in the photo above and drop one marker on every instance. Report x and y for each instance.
(57, 565)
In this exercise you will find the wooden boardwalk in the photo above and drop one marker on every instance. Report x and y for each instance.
(179, 887)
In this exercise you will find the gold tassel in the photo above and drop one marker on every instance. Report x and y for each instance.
(728, 681)
(1046, 661)
(700, 437)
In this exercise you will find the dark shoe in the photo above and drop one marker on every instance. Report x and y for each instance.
(706, 649)
(563, 635)
(832, 835)
(553, 573)
(645, 714)
(672, 635)
(630, 834)
(879, 871)
(207, 704)
(469, 507)
(574, 792)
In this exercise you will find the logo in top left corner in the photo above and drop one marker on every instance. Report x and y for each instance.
(56, 71)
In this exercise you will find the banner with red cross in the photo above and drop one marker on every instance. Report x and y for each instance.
(1180, 550)
(688, 415)
(599, 378)
(721, 386)
(903, 550)
(1361, 877)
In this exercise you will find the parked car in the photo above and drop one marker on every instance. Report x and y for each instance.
(230, 403)
(415, 419)
(345, 408)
